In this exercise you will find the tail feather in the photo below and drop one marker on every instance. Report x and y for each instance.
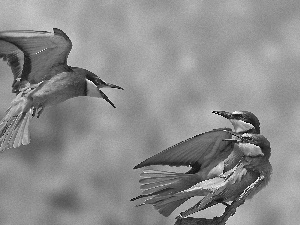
(161, 188)
(22, 135)
(208, 188)
(9, 131)
(156, 181)
(160, 183)
(14, 126)
(167, 208)
(169, 193)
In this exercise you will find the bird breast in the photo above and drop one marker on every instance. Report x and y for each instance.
(59, 88)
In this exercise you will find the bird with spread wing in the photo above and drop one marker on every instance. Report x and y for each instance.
(207, 155)
(250, 175)
(38, 60)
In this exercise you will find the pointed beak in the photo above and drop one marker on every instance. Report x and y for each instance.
(231, 140)
(104, 84)
(104, 96)
(225, 114)
(99, 83)
(235, 137)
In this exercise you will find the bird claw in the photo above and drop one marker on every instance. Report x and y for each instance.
(226, 204)
(40, 110)
(179, 217)
(33, 111)
(37, 111)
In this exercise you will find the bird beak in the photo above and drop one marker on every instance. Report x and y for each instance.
(225, 114)
(104, 85)
(238, 124)
(231, 140)
(104, 96)
(101, 84)
(235, 140)
(247, 147)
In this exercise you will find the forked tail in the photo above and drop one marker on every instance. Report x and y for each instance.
(14, 126)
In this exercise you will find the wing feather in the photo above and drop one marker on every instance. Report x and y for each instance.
(34, 55)
(14, 57)
(199, 149)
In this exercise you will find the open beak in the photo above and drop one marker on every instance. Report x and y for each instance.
(102, 84)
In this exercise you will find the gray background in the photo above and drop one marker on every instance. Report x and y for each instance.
(177, 61)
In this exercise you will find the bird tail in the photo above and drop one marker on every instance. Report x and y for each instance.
(14, 126)
(160, 185)
(208, 188)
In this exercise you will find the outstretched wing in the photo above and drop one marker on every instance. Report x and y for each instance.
(33, 55)
(196, 151)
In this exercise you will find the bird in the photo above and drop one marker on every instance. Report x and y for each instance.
(207, 155)
(251, 174)
(41, 78)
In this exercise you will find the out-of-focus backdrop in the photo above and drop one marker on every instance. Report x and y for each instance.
(177, 61)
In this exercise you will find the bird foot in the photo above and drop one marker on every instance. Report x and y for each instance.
(37, 111)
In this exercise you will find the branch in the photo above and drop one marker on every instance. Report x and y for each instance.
(229, 211)
(196, 221)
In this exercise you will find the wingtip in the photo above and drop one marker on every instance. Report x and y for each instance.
(140, 165)
(60, 33)
(57, 30)
(135, 198)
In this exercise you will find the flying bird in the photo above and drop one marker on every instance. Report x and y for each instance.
(42, 77)
(207, 155)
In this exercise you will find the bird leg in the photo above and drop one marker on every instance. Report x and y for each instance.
(33, 112)
(40, 110)
(226, 204)
(37, 111)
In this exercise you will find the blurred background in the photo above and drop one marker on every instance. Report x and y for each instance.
(177, 61)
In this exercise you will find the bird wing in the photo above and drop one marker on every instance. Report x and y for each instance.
(198, 150)
(32, 55)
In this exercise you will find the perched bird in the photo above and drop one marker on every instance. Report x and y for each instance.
(252, 173)
(207, 154)
(38, 60)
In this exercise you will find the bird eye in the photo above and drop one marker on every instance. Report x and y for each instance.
(248, 138)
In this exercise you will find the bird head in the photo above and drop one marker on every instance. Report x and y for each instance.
(242, 121)
(94, 83)
(252, 144)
